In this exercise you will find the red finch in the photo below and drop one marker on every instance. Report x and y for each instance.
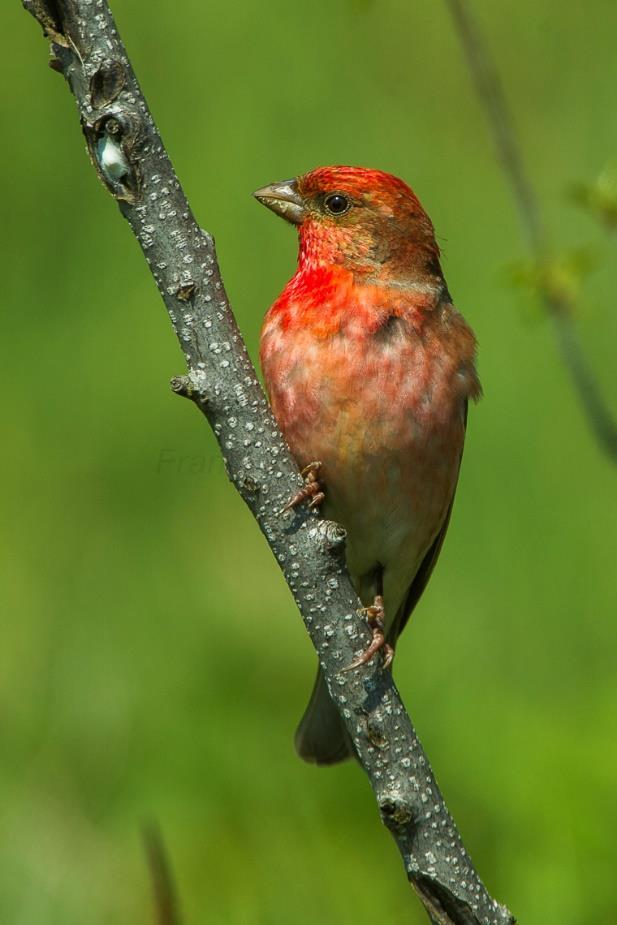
(369, 369)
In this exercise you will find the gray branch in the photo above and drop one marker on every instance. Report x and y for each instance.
(129, 157)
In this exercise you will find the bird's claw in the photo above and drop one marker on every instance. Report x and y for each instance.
(312, 489)
(375, 617)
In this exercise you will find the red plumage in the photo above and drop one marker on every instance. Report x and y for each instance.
(369, 369)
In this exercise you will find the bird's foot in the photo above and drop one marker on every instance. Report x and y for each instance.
(312, 489)
(375, 618)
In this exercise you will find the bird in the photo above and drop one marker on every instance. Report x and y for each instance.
(369, 369)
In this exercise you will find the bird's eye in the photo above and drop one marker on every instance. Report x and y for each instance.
(337, 204)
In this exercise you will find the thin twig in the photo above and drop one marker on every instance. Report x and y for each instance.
(490, 91)
(129, 157)
(163, 886)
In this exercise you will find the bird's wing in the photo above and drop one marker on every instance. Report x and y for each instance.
(423, 574)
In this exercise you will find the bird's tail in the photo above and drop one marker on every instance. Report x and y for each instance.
(321, 737)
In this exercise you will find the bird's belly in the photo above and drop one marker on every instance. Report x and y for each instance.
(390, 487)
(388, 429)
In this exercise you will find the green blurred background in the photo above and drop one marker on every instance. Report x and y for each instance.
(152, 663)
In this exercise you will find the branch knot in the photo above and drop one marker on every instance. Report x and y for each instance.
(187, 388)
(395, 810)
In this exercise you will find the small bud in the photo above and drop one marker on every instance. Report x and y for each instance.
(186, 292)
(111, 158)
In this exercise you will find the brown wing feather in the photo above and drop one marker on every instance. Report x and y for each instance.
(423, 574)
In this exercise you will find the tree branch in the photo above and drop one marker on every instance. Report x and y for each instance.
(489, 89)
(130, 159)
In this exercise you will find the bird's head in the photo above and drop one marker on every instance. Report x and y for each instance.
(367, 220)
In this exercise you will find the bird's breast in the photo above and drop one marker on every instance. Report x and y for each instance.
(361, 388)
(379, 399)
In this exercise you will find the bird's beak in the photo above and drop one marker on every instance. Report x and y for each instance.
(284, 199)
